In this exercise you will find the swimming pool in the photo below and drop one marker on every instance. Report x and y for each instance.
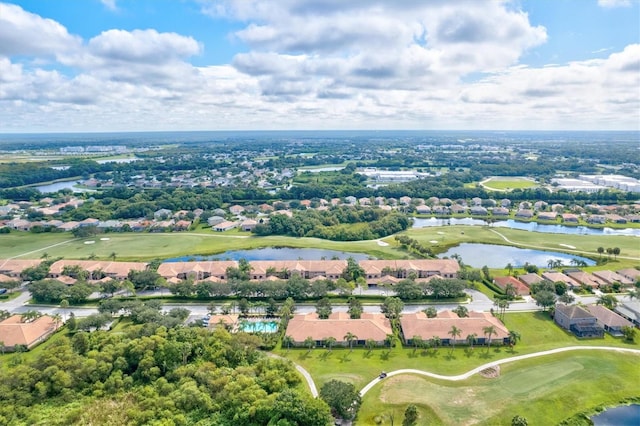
(259, 326)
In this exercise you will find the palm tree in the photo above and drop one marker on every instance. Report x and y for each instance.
(287, 341)
(64, 304)
(489, 331)
(600, 251)
(370, 344)
(471, 339)
(45, 256)
(417, 342)
(309, 343)
(329, 342)
(435, 341)
(389, 339)
(454, 332)
(57, 319)
(113, 255)
(350, 337)
(514, 336)
(509, 268)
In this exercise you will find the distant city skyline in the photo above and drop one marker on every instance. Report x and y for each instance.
(168, 65)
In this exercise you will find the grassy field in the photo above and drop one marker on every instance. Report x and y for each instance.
(538, 333)
(145, 246)
(544, 390)
(444, 237)
(508, 183)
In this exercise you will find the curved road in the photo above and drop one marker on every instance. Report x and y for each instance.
(476, 370)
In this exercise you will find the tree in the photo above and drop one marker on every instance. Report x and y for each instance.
(353, 270)
(489, 331)
(309, 343)
(323, 308)
(514, 337)
(343, 398)
(410, 415)
(64, 305)
(471, 339)
(243, 306)
(392, 308)
(110, 286)
(609, 301)
(567, 299)
(113, 256)
(455, 332)
(370, 344)
(329, 342)
(616, 252)
(600, 251)
(545, 299)
(355, 308)
(502, 305)
(629, 333)
(416, 341)
(389, 339)
(518, 420)
(287, 341)
(350, 338)
(509, 268)
(461, 311)
(431, 312)
(434, 342)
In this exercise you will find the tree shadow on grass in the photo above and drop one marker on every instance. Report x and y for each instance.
(385, 355)
(345, 357)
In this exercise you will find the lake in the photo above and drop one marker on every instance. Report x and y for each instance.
(497, 256)
(625, 415)
(525, 226)
(275, 253)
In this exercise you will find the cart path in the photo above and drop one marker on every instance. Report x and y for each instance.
(564, 247)
(312, 385)
(476, 370)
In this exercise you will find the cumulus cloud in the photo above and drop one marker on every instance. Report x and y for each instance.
(312, 64)
(24, 33)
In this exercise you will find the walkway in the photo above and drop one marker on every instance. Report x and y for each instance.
(476, 370)
(301, 370)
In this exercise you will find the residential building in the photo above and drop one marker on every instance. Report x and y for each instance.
(608, 319)
(629, 309)
(503, 282)
(418, 324)
(577, 320)
(422, 268)
(611, 277)
(370, 326)
(13, 331)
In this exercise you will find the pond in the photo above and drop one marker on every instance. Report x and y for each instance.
(55, 187)
(497, 256)
(525, 226)
(275, 253)
(626, 415)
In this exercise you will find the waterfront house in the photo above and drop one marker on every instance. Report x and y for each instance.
(370, 326)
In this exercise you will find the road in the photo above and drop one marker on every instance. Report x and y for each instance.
(478, 302)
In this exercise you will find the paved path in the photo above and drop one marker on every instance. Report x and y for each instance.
(476, 370)
(305, 374)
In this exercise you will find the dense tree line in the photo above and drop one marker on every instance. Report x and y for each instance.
(152, 375)
(371, 223)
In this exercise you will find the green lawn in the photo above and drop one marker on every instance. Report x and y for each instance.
(538, 333)
(544, 390)
(506, 184)
(145, 246)
(585, 245)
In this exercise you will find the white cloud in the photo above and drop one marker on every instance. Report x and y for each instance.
(24, 33)
(614, 3)
(313, 64)
(110, 4)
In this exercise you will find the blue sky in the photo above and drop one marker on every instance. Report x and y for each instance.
(118, 65)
